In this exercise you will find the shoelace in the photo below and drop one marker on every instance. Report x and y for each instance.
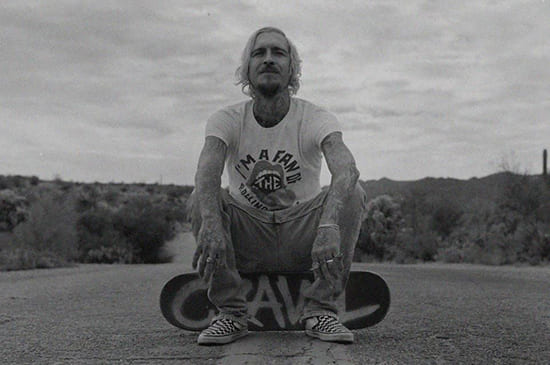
(328, 324)
(222, 327)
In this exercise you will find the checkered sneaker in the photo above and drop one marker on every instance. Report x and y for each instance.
(330, 329)
(222, 331)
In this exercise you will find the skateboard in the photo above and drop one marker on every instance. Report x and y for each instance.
(275, 301)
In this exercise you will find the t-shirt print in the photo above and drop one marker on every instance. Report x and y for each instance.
(269, 176)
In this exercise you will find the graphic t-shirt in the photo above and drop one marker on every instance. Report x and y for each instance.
(277, 167)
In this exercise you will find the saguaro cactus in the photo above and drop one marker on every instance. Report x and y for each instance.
(544, 161)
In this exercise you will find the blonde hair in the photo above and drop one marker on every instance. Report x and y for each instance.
(241, 74)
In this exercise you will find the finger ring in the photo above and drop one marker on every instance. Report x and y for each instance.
(209, 259)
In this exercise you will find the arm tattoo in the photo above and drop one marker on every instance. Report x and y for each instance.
(208, 177)
(344, 177)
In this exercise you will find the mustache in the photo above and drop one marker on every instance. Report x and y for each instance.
(269, 69)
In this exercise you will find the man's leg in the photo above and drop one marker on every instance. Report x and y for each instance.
(321, 297)
(226, 290)
(298, 229)
(320, 312)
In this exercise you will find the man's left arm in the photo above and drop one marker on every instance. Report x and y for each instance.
(341, 164)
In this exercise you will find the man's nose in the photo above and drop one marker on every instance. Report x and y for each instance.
(268, 59)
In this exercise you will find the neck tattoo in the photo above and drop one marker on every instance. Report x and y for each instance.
(270, 111)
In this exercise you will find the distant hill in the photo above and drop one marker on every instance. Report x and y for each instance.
(461, 191)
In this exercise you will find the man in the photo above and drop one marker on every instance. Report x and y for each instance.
(275, 217)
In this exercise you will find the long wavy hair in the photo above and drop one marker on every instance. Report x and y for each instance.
(241, 74)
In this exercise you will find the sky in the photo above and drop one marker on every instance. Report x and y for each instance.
(120, 91)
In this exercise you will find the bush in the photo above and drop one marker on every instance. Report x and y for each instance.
(414, 246)
(179, 192)
(111, 197)
(34, 181)
(109, 255)
(131, 233)
(87, 198)
(14, 182)
(451, 255)
(13, 210)
(48, 237)
(26, 258)
(146, 227)
(97, 235)
(445, 217)
(380, 227)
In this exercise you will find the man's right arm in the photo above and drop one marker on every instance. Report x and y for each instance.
(211, 240)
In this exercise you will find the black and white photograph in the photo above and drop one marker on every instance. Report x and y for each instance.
(274, 182)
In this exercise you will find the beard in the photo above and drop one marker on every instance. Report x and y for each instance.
(268, 89)
(268, 85)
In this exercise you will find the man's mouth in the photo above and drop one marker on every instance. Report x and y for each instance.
(270, 71)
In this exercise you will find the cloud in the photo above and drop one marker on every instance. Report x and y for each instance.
(128, 85)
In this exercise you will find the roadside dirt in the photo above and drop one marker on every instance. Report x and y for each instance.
(109, 314)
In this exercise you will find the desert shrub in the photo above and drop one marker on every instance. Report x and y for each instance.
(450, 254)
(176, 192)
(416, 240)
(414, 246)
(26, 258)
(96, 221)
(34, 181)
(416, 211)
(111, 197)
(498, 236)
(109, 255)
(445, 217)
(532, 242)
(146, 227)
(481, 239)
(175, 210)
(49, 233)
(498, 246)
(545, 247)
(62, 185)
(522, 194)
(98, 238)
(522, 216)
(380, 227)
(13, 210)
(13, 182)
(133, 232)
(87, 198)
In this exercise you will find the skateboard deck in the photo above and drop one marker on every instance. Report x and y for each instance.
(275, 301)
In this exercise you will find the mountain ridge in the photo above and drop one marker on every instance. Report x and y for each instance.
(462, 191)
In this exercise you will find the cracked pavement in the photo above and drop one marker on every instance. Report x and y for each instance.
(109, 314)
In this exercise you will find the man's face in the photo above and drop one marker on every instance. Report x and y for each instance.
(269, 67)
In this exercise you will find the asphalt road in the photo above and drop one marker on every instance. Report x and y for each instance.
(109, 314)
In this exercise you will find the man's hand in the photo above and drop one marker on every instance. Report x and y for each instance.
(325, 254)
(211, 251)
